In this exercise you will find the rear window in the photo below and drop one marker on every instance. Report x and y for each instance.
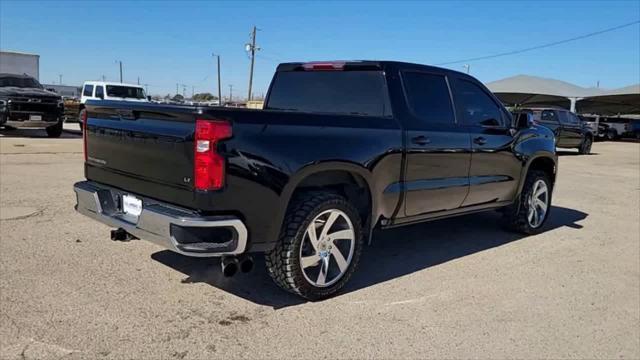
(125, 92)
(335, 92)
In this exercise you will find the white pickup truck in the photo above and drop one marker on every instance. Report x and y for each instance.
(101, 90)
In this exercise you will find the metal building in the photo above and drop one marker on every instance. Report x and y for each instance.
(12, 62)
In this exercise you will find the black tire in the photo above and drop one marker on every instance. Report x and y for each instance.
(283, 262)
(55, 131)
(515, 216)
(585, 147)
(80, 117)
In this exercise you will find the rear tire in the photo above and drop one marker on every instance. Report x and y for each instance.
(316, 269)
(55, 131)
(527, 215)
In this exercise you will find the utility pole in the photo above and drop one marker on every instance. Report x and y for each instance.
(104, 78)
(192, 91)
(138, 80)
(230, 93)
(120, 62)
(468, 67)
(146, 89)
(60, 75)
(219, 87)
(177, 88)
(251, 49)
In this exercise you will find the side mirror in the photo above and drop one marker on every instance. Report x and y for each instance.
(524, 120)
(148, 98)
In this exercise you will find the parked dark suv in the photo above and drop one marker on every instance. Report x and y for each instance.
(569, 131)
(25, 103)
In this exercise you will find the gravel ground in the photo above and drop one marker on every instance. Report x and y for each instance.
(457, 288)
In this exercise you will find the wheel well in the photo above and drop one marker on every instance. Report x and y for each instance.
(352, 186)
(545, 164)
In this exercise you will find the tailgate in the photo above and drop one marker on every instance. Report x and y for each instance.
(151, 143)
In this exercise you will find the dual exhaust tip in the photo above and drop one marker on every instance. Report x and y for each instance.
(231, 265)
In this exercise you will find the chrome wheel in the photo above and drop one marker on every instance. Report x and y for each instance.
(538, 203)
(327, 248)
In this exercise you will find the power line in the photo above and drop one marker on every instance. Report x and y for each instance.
(542, 46)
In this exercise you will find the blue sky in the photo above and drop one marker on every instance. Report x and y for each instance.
(169, 42)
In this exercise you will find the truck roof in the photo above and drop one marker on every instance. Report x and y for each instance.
(363, 64)
(111, 83)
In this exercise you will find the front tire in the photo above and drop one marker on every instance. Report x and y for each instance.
(55, 131)
(81, 115)
(319, 246)
(585, 147)
(529, 214)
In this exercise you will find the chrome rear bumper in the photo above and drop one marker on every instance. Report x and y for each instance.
(177, 229)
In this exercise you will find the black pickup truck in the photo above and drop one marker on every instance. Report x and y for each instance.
(25, 103)
(569, 130)
(341, 148)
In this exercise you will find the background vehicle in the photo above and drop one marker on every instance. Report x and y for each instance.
(341, 148)
(24, 103)
(101, 90)
(569, 131)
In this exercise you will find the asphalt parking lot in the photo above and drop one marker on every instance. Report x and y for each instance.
(457, 288)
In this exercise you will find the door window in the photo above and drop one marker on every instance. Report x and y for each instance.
(475, 105)
(428, 97)
(564, 117)
(549, 116)
(88, 90)
(100, 92)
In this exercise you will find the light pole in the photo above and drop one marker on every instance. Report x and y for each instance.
(120, 62)
(219, 87)
(251, 49)
(60, 75)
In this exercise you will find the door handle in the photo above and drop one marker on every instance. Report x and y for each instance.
(421, 140)
(480, 140)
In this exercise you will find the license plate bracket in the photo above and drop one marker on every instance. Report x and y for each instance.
(35, 117)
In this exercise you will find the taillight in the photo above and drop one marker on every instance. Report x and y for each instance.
(83, 127)
(209, 166)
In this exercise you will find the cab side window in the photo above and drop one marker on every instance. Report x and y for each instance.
(565, 118)
(428, 97)
(100, 92)
(475, 105)
(88, 90)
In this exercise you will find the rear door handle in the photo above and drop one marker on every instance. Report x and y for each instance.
(480, 140)
(421, 140)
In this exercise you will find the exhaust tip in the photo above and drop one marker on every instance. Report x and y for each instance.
(229, 266)
(247, 264)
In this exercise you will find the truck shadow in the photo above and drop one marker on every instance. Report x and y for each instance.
(394, 253)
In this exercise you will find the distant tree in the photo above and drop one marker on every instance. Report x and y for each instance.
(178, 97)
(204, 97)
